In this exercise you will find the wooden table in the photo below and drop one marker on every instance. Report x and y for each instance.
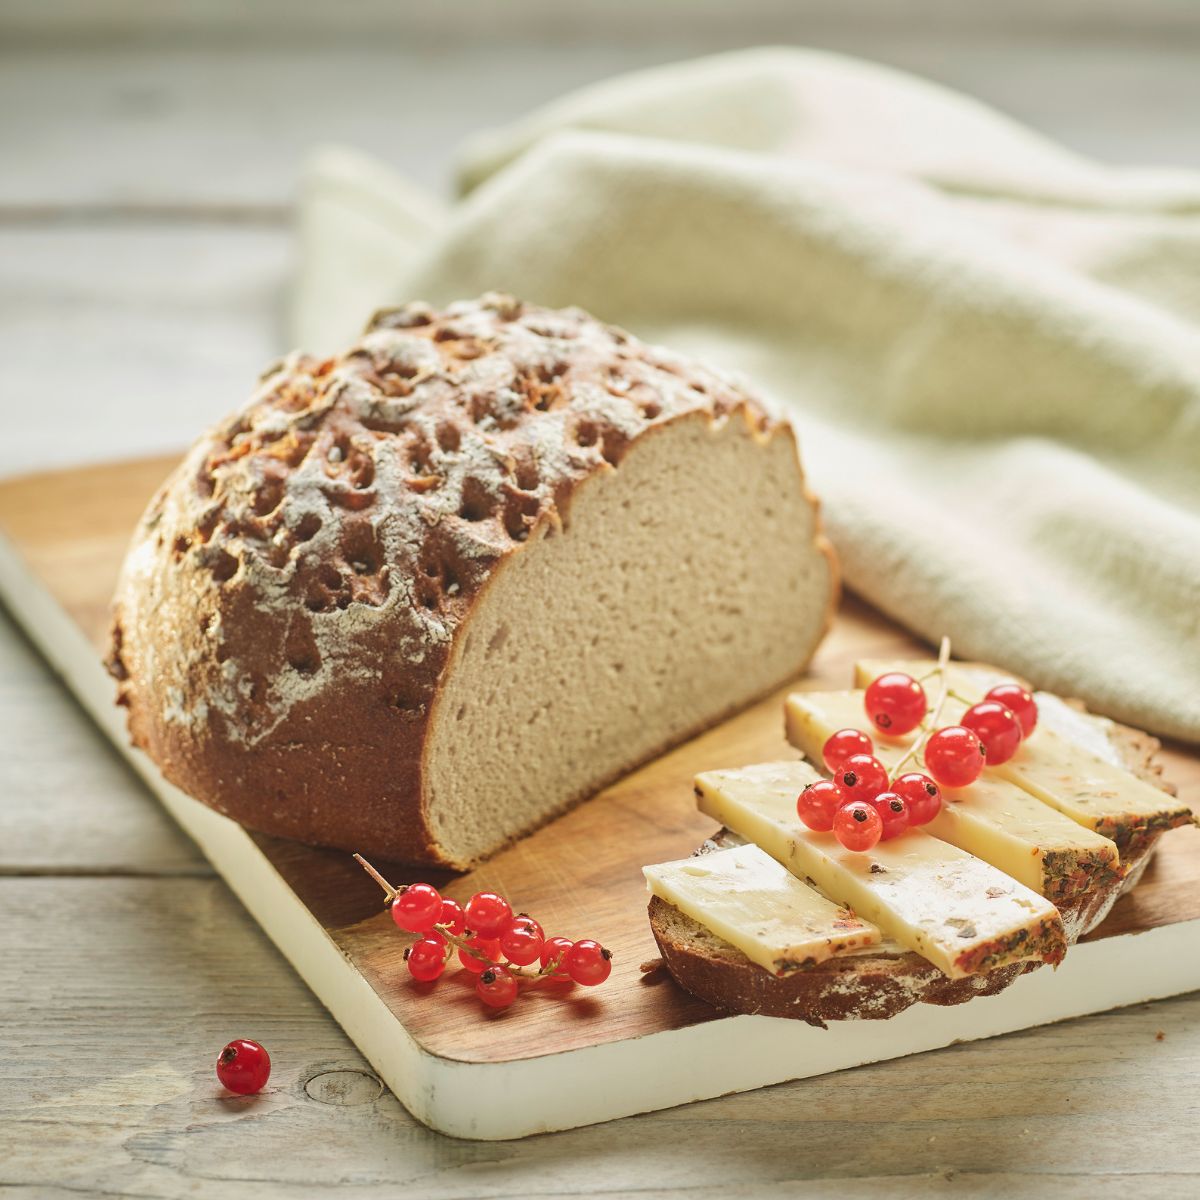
(143, 248)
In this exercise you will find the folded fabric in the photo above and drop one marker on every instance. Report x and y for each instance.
(990, 346)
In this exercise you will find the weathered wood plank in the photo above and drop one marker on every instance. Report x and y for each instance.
(200, 127)
(115, 337)
(117, 995)
(69, 804)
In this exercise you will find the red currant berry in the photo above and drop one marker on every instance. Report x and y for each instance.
(521, 944)
(921, 794)
(997, 728)
(588, 962)
(488, 914)
(488, 947)
(244, 1067)
(496, 987)
(896, 703)
(818, 802)
(954, 756)
(893, 812)
(842, 744)
(857, 825)
(1019, 702)
(862, 777)
(554, 951)
(427, 958)
(453, 916)
(417, 907)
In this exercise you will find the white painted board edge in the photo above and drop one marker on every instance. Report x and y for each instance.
(497, 1101)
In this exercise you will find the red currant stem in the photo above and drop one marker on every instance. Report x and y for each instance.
(931, 723)
(961, 699)
(375, 875)
(552, 965)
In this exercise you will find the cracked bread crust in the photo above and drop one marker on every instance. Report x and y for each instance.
(294, 592)
(875, 984)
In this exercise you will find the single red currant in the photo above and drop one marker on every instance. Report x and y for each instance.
(954, 756)
(896, 703)
(427, 958)
(921, 794)
(488, 947)
(818, 802)
(997, 728)
(862, 777)
(588, 962)
(839, 746)
(857, 825)
(244, 1067)
(488, 914)
(453, 916)
(496, 987)
(1019, 701)
(554, 952)
(893, 812)
(417, 907)
(521, 944)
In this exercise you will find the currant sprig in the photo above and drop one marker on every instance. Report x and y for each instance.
(864, 803)
(492, 942)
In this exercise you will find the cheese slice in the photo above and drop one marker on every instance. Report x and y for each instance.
(1061, 768)
(745, 897)
(993, 818)
(961, 914)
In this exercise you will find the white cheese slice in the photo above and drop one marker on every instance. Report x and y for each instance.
(745, 897)
(1061, 768)
(993, 818)
(961, 914)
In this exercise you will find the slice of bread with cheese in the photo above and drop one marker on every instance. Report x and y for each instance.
(930, 952)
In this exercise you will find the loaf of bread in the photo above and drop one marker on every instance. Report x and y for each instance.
(420, 598)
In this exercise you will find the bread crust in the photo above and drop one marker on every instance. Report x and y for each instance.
(873, 985)
(295, 592)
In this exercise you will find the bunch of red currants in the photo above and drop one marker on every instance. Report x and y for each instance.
(495, 944)
(862, 805)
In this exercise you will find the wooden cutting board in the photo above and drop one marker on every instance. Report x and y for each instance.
(636, 1044)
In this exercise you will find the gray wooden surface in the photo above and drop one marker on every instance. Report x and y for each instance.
(144, 253)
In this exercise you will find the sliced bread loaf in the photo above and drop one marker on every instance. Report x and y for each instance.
(418, 599)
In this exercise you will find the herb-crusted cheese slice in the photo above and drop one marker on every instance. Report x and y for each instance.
(1061, 768)
(745, 897)
(961, 914)
(1091, 791)
(993, 819)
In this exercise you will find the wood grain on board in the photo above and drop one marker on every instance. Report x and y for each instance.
(580, 875)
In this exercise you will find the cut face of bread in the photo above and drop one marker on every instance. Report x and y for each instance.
(683, 584)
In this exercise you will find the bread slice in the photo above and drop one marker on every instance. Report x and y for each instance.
(875, 983)
(420, 598)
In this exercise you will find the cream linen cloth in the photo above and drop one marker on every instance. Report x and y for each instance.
(990, 346)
